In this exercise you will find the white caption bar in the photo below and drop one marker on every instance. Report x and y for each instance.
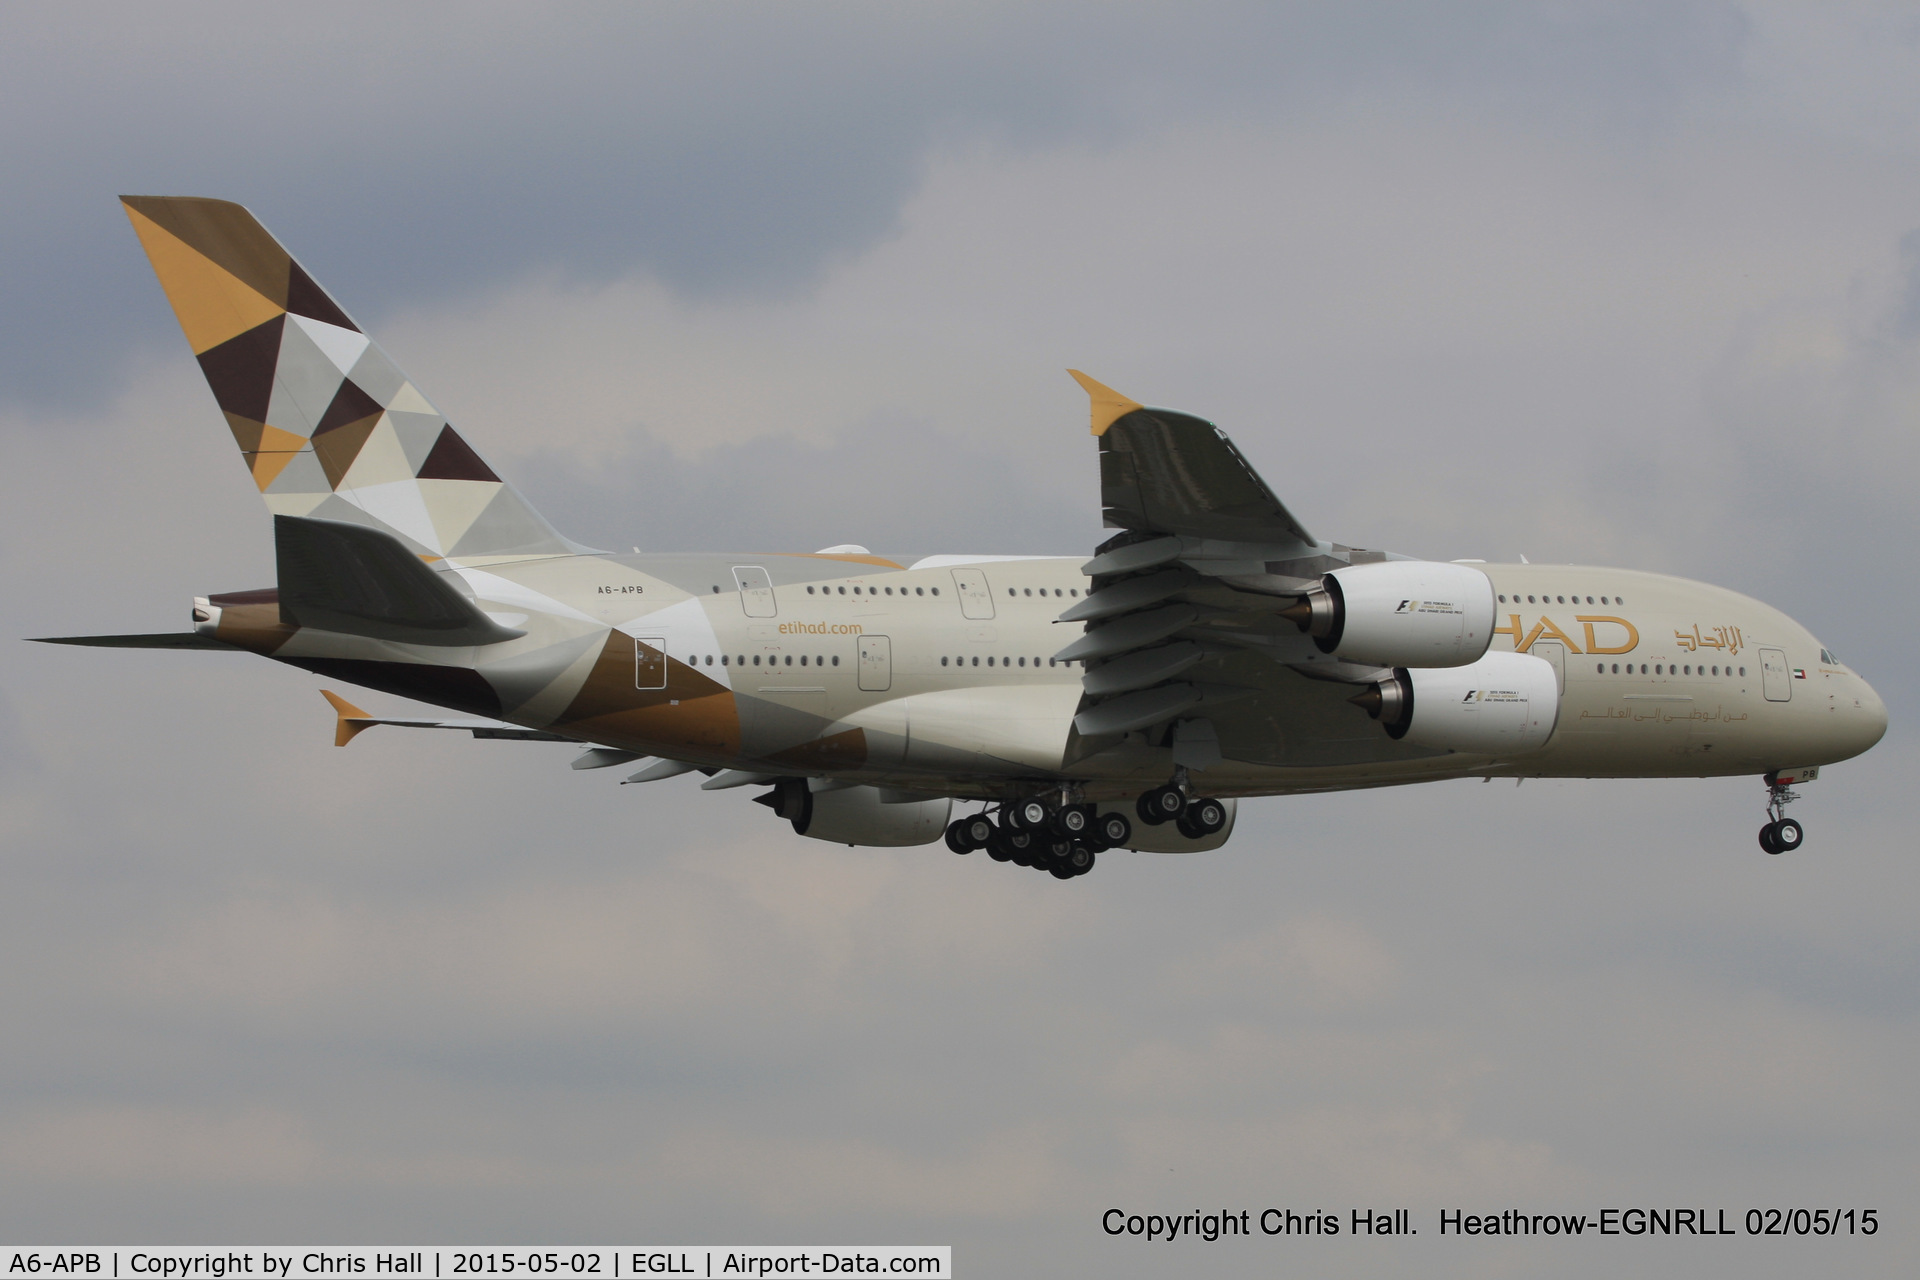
(121, 1262)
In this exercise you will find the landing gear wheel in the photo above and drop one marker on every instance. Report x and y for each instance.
(1021, 848)
(1029, 815)
(998, 849)
(1203, 818)
(1079, 860)
(1783, 834)
(957, 837)
(1061, 871)
(979, 830)
(1160, 805)
(1072, 820)
(1058, 851)
(1113, 829)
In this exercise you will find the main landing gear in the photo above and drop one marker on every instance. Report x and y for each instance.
(1781, 834)
(1196, 817)
(1064, 840)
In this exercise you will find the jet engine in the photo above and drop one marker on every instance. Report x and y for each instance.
(1505, 704)
(1400, 613)
(859, 815)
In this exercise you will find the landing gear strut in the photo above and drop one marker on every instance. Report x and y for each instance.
(1781, 834)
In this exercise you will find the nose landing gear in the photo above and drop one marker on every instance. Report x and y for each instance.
(1781, 834)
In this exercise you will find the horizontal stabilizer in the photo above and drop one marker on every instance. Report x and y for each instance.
(361, 581)
(353, 721)
(164, 640)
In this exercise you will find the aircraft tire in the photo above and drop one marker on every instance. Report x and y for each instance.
(1114, 830)
(1062, 871)
(979, 830)
(1162, 804)
(1766, 839)
(998, 849)
(1072, 821)
(1204, 817)
(1787, 835)
(1030, 815)
(957, 836)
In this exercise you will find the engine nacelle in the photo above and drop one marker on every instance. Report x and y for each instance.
(1400, 613)
(857, 815)
(1166, 838)
(1505, 704)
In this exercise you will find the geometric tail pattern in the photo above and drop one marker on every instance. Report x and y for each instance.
(327, 425)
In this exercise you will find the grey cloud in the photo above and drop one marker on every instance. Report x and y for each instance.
(720, 150)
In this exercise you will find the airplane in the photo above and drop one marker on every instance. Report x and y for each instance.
(1211, 650)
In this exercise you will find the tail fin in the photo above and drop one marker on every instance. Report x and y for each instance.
(328, 426)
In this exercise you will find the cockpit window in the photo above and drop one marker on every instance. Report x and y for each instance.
(1827, 659)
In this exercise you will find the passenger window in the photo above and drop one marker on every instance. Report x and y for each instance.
(836, 659)
(943, 662)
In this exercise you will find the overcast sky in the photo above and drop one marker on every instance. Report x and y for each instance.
(1622, 284)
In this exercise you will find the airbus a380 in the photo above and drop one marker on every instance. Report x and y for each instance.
(1212, 649)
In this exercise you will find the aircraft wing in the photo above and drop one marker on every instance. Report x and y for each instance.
(1189, 637)
(353, 721)
(1172, 473)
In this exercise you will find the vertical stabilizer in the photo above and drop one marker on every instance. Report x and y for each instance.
(329, 428)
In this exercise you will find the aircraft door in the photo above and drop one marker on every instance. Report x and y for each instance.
(649, 662)
(976, 597)
(876, 664)
(1555, 654)
(1775, 680)
(756, 590)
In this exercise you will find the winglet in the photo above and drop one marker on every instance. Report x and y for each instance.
(1108, 405)
(352, 719)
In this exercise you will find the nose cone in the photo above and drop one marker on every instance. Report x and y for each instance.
(1869, 718)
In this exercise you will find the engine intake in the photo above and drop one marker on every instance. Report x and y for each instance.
(1400, 613)
(1505, 704)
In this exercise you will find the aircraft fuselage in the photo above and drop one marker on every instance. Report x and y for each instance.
(938, 674)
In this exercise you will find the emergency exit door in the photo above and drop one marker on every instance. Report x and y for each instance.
(756, 590)
(876, 664)
(1775, 680)
(649, 662)
(976, 598)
